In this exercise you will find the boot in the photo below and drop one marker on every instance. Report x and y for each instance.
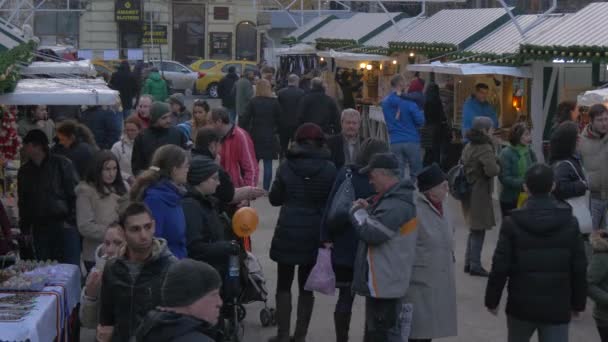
(283, 316)
(342, 324)
(305, 306)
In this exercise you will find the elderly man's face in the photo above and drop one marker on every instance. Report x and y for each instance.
(438, 193)
(382, 180)
(350, 126)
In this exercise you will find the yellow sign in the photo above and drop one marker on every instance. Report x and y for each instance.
(127, 10)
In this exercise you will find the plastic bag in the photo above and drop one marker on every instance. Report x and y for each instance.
(322, 278)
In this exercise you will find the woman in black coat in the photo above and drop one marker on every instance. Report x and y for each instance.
(343, 240)
(301, 187)
(205, 230)
(124, 81)
(570, 179)
(261, 120)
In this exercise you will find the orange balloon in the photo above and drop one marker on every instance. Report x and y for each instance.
(245, 222)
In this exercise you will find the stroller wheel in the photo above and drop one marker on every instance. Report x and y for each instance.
(242, 312)
(266, 317)
(273, 316)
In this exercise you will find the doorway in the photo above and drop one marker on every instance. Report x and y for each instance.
(188, 32)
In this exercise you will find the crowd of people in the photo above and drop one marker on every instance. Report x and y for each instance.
(145, 204)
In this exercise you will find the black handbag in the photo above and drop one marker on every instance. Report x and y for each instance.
(337, 218)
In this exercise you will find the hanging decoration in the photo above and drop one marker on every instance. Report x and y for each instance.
(376, 50)
(290, 41)
(429, 49)
(574, 52)
(489, 58)
(9, 139)
(327, 44)
(9, 60)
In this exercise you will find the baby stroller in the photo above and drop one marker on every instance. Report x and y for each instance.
(244, 284)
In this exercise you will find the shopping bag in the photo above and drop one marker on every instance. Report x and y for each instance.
(322, 278)
(338, 217)
(521, 199)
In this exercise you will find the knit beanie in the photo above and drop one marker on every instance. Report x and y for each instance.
(36, 137)
(177, 98)
(157, 110)
(309, 131)
(201, 168)
(187, 281)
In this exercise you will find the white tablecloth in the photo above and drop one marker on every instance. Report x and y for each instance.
(42, 323)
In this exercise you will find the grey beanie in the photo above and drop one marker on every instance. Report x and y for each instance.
(481, 123)
(201, 168)
(177, 98)
(157, 110)
(187, 281)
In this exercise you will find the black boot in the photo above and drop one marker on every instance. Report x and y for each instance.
(283, 316)
(342, 324)
(479, 272)
(305, 305)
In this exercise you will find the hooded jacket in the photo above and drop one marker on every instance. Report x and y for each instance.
(512, 182)
(149, 141)
(387, 242)
(598, 277)
(402, 128)
(540, 254)
(94, 213)
(164, 200)
(125, 300)
(301, 189)
(594, 154)
(156, 87)
(160, 326)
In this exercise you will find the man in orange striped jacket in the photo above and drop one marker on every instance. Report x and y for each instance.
(386, 225)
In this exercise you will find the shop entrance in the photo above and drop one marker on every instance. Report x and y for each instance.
(188, 32)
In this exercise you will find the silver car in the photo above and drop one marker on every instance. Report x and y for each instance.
(180, 77)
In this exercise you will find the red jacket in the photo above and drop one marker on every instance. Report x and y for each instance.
(238, 158)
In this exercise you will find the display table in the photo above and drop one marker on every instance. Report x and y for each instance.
(53, 308)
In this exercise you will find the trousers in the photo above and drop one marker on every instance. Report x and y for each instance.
(522, 331)
(475, 241)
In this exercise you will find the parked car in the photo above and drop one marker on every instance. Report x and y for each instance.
(104, 69)
(179, 76)
(212, 71)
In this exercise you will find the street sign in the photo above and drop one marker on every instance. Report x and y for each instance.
(127, 10)
(156, 36)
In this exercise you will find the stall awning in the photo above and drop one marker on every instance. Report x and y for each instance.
(61, 91)
(471, 69)
(351, 56)
(60, 69)
(591, 97)
(299, 49)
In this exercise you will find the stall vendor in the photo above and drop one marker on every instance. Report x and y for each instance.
(475, 106)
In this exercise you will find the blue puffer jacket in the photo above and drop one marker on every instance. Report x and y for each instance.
(345, 241)
(164, 200)
(405, 128)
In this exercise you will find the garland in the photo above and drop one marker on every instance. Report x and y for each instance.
(474, 57)
(327, 44)
(376, 50)
(289, 41)
(429, 49)
(8, 63)
(574, 52)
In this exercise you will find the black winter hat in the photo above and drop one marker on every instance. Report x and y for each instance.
(430, 177)
(36, 137)
(187, 281)
(201, 168)
(381, 161)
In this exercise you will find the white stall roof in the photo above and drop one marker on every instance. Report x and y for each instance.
(591, 97)
(355, 28)
(393, 32)
(471, 69)
(350, 56)
(299, 49)
(61, 91)
(60, 69)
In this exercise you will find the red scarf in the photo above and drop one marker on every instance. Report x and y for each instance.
(437, 205)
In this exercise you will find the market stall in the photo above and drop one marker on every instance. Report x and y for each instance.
(38, 301)
(60, 69)
(300, 59)
(61, 91)
(591, 97)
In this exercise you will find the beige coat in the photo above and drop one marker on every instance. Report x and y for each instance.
(93, 215)
(432, 290)
(481, 166)
(594, 153)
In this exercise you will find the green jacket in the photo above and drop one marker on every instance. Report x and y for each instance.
(512, 182)
(156, 87)
(597, 277)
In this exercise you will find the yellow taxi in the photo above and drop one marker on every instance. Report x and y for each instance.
(211, 72)
(105, 68)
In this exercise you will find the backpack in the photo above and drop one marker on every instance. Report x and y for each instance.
(460, 188)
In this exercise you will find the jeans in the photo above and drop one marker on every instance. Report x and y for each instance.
(522, 331)
(345, 300)
(71, 243)
(286, 274)
(472, 255)
(48, 241)
(232, 115)
(408, 154)
(267, 173)
(382, 320)
(598, 212)
(602, 329)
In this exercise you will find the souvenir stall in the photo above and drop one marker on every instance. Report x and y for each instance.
(372, 72)
(300, 59)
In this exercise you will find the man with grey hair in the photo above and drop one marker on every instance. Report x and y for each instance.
(344, 147)
(289, 99)
(386, 226)
(319, 108)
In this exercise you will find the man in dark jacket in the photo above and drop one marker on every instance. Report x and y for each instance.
(541, 254)
(345, 146)
(126, 84)
(105, 124)
(319, 108)
(131, 283)
(46, 200)
(190, 297)
(161, 132)
(289, 99)
(226, 93)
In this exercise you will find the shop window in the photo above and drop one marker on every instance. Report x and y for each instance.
(246, 41)
(221, 13)
(57, 27)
